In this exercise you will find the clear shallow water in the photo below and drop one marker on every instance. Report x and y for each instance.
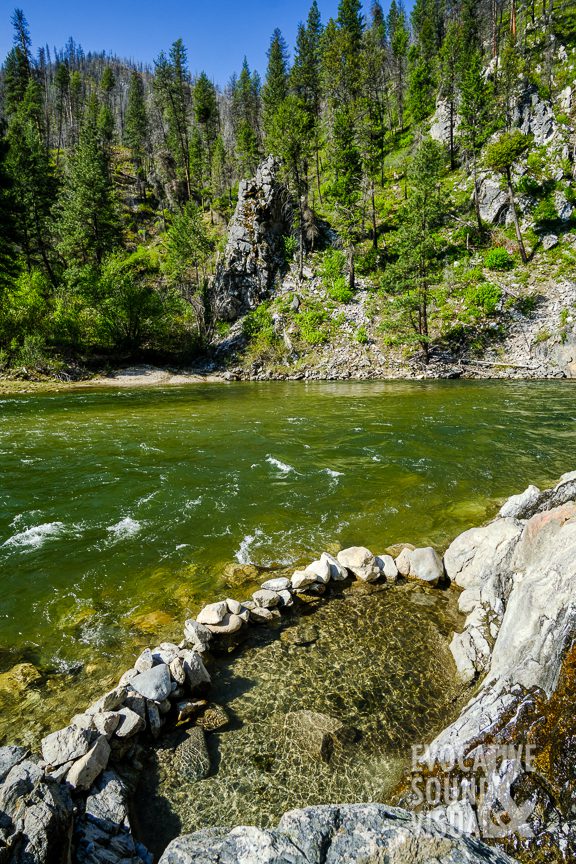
(120, 509)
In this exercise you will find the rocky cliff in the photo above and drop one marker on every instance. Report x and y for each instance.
(255, 246)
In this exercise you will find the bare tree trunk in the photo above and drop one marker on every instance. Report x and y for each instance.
(351, 269)
(374, 225)
(521, 246)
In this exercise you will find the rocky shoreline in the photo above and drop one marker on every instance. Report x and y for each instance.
(73, 801)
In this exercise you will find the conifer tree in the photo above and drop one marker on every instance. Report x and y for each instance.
(89, 221)
(275, 87)
(136, 128)
(173, 97)
(245, 119)
(476, 108)
(502, 156)
(18, 68)
(8, 229)
(449, 58)
(33, 180)
(399, 38)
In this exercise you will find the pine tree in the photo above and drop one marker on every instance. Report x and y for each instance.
(476, 108)
(62, 85)
(275, 87)
(89, 221)
(245, 120)
(305, 76)
(413, 276)
(18, 68)
(173, 97)
(33, 180)
(8, 227)
(450, 67)
(136, 128)
(399, 38)
(502, 156)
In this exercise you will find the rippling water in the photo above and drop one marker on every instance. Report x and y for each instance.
(120, 509)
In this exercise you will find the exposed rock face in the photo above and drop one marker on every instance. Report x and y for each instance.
(534, 116)
(334, 835)
(254, 252)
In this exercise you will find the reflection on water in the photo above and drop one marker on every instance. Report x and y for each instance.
(120, 510)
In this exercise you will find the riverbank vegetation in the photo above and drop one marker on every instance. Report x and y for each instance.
(117, 181)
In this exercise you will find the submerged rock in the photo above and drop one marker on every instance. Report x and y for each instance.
(318, 734)
(19, 678)
(191, 758)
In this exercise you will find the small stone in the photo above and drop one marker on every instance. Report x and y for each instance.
(229, 624)
(154, 684)
(177, 670)
(129, 723)
(321, 570)
(197, 635)
(136, 703)
(83, 721)
(426, 566)
(189, 708)
(127, 677)
(260, 615)
(154, 719)
(549, 241)
(387, 567)
(266, 599)
(278, 584)
(145, 661)
(213, 613)
(234, 607)
(106, 722)
(165, 707)
(302, 579)
(88, 767)
(195, 670)
(9, 757)
(403, 561)
(165, 652)
(337, 572)
(111, 701)
(286, 598)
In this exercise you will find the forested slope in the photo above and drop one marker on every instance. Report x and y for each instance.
(428, 165)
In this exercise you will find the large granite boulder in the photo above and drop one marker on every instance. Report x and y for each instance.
(255, 248)
(334, 834)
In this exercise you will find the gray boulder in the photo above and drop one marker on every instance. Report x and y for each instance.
(334, 834)
(9, 757)
(196, 672)
(359, 561)
(66, 744)
(197, 635)
(523, 505)
(154, 684)
(107, 803)
(86, 769)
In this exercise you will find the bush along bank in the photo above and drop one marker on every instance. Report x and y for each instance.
(72, 802)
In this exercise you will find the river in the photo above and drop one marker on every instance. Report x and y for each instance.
(120, 510)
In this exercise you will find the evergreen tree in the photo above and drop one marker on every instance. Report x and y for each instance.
(62, 85)
(89, 221)
(450, 68)
(399, 38)
(8, 228)
(305, 76)
(476, 108)
(18, 68)
(503, 156)
(173, 97)
(33, 180)
(413, 275)
(245, 120)
(421, 88)
(136, 128)
(275, 87)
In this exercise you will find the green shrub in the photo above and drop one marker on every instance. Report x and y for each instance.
(258, 323)
(484, 298)
(312, 324)
(525, 305)
(545, 213)
(290, 246)
(498, 259)
(361, 336)
(333, 264)
(542, 336)
(367, 262)
(340, 291)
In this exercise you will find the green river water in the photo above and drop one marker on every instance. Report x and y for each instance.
(120, 509)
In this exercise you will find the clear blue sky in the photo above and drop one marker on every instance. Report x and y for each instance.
(217, 34)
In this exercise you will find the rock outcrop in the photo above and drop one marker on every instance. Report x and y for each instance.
(255, 248)
(346, 834)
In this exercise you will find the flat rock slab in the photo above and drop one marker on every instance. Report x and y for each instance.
(346, 834)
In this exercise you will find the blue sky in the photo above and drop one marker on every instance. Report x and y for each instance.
(217, 34)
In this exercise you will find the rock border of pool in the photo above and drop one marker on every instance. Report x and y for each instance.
(516, 574)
